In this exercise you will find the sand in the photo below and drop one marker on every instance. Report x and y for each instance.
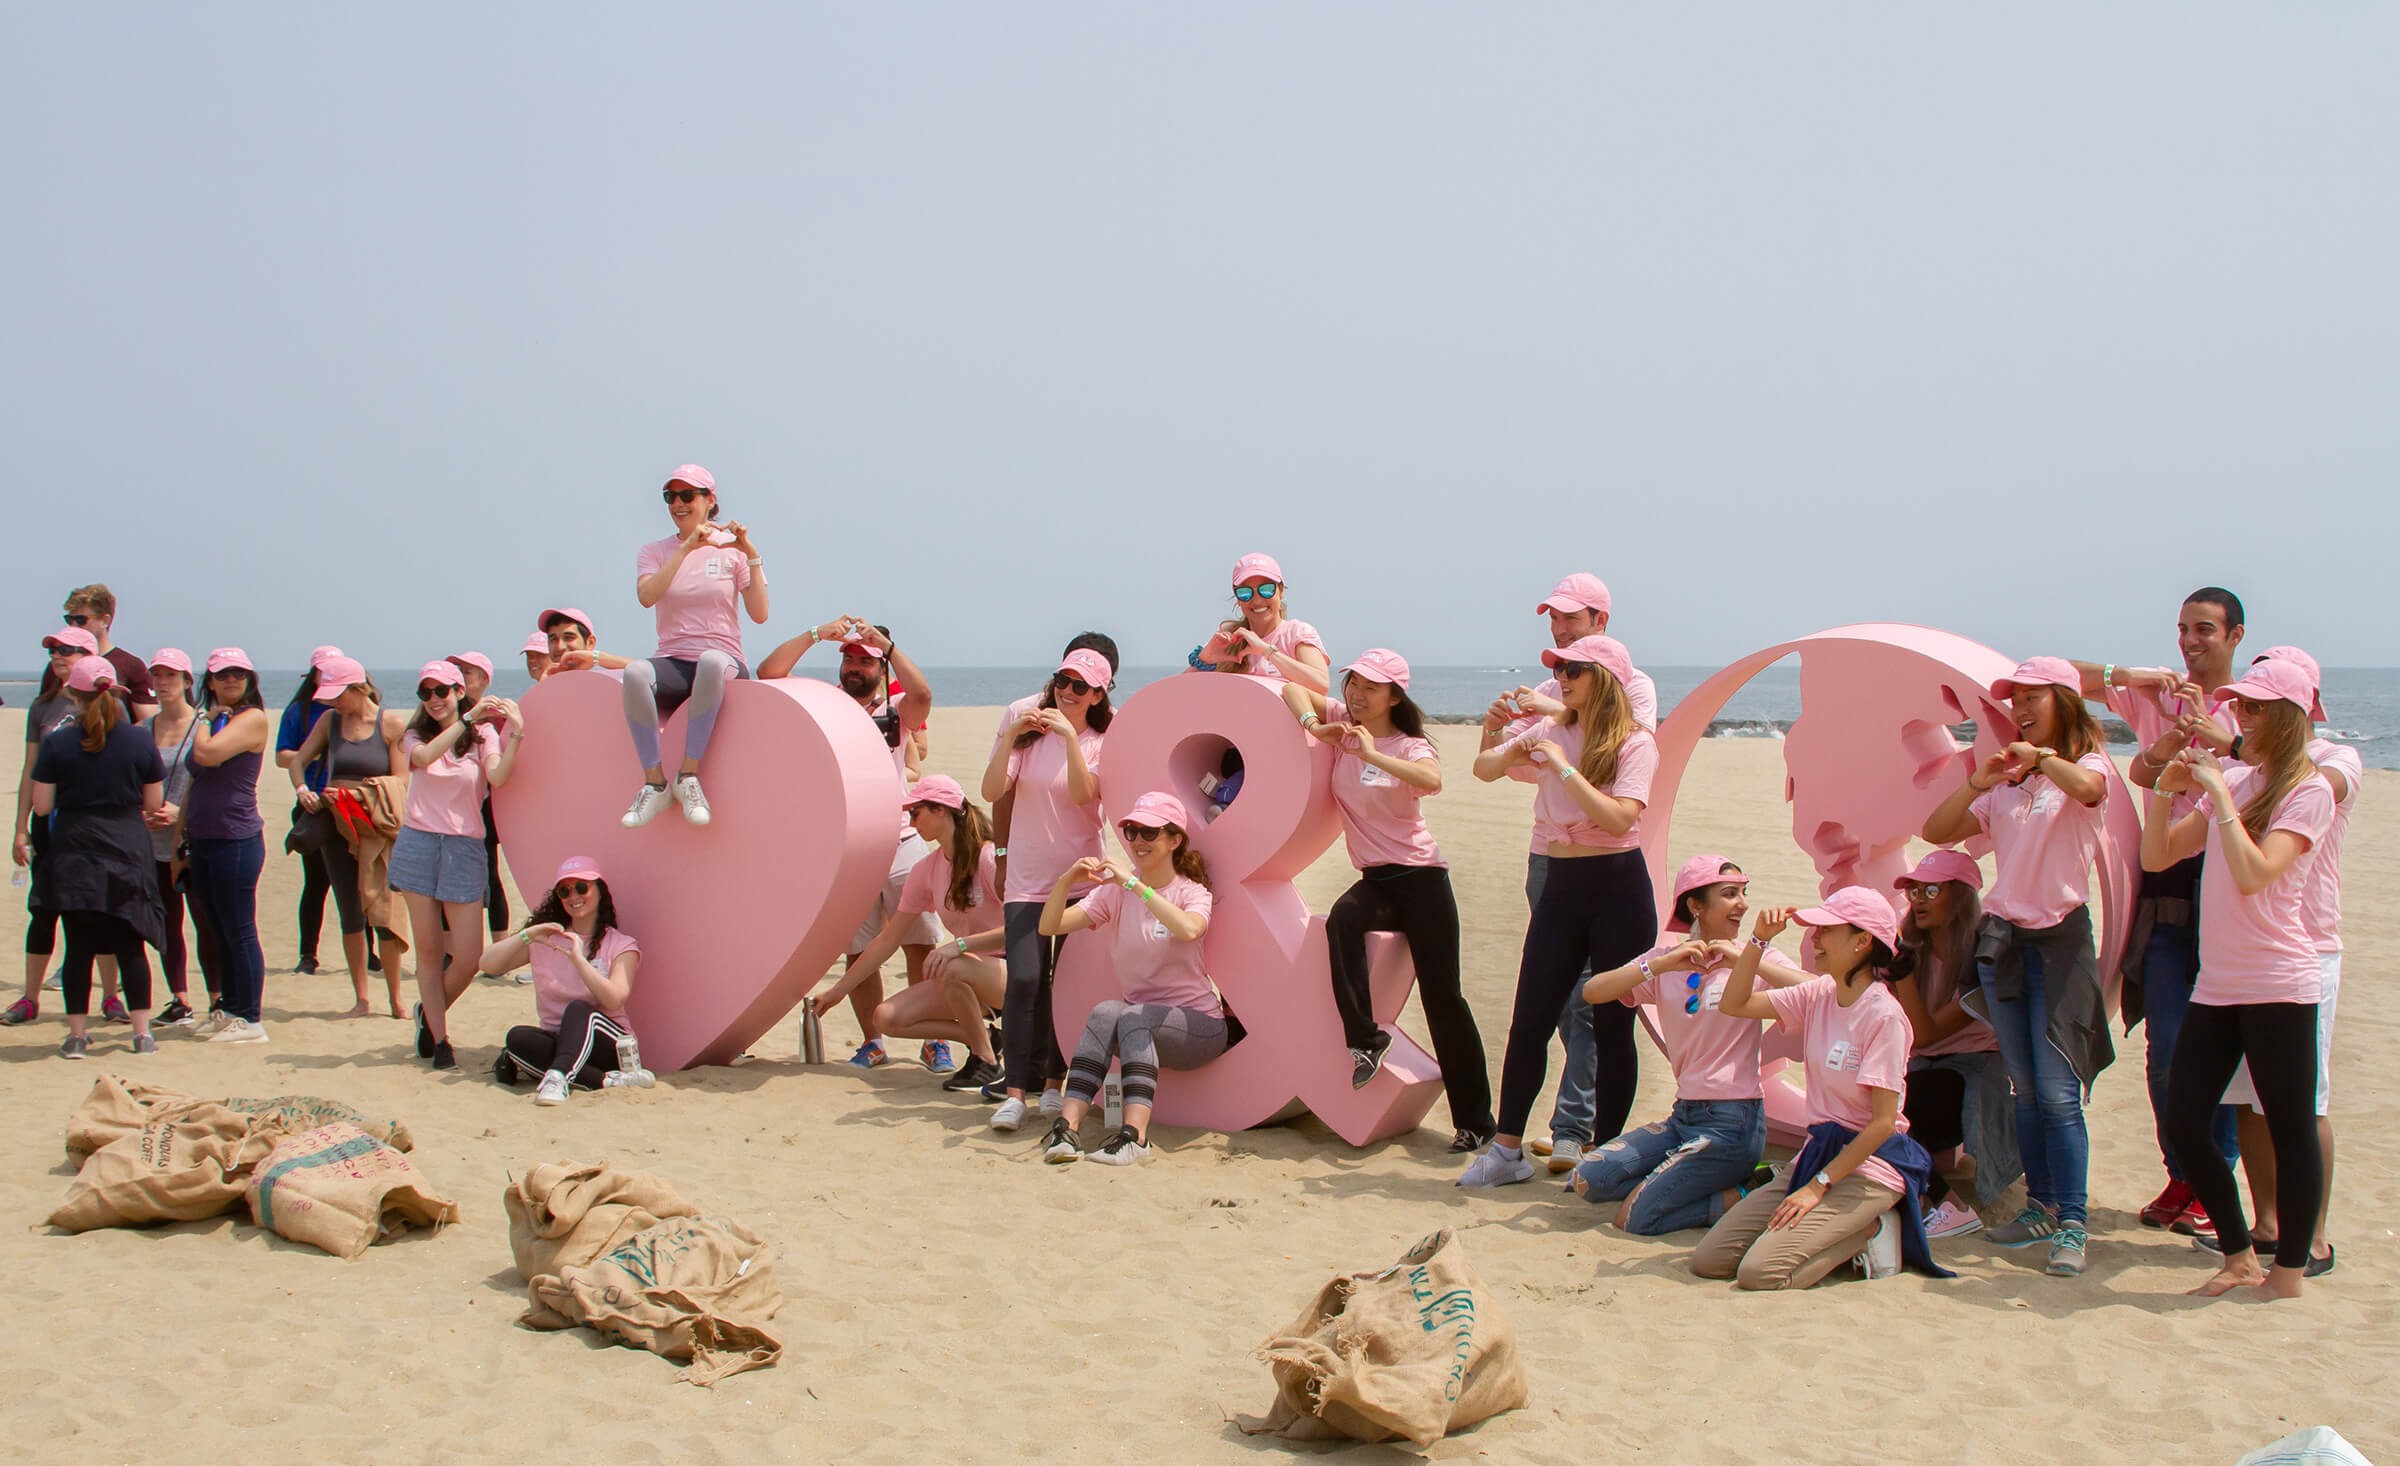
(951, 1298)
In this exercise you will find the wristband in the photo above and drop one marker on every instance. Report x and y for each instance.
(1196, 664)
(962, 946)
(1761, 943)
(755, 562)
(2231, 819)
(1310, 720)
(998, 851)
(1643, 963)
(2108, 674)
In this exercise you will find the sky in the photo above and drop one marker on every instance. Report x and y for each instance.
(384, 326)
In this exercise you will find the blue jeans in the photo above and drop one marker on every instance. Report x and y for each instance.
(1683, 1164)
(2051, 1138)
(2170, 964)
(225, 895)
(1571, 1113)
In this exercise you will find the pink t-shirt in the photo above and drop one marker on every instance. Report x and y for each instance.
(1849, 1051)
(1287, 637)
(1715, 1055)
(698, 612)
(1557, 818)
(556, 983)
(1935, 986)
(2257, 948)
(446, 796)
(2321, 897)
(1383, 816)
(1047, 830)
(1640, 692)
(2043, 846)
(1151, 966)
(928, 889)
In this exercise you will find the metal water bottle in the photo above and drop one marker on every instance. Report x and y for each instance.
(812, 1036)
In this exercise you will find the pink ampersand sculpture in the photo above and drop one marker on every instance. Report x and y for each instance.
(1263, 947)
(1866, 761)
(737, 920)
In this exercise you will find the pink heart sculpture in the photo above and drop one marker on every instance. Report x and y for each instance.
(738, 919)
(1866, 761)
(1263, 947)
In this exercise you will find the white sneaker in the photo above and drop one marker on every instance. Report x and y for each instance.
(646, 806)
(1565, 1155)
(1881, 1259)
(553, 1089)
(1122, 1149)
(1950, 1219)
(1054, 1102)
(239, 1031)
(1494, 1169)
(628, 1079)
(1010, 1115)
(213, 1024)
(695, 803)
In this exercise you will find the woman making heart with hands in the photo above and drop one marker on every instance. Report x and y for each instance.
(583, 968)
(1260, 639)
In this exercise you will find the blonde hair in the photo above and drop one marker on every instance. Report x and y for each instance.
(2281, 737)
(1611, 725)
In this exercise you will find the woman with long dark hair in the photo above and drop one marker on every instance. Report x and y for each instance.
(225, 837)
(172, 730)
(1958, 1090)
(583, 968)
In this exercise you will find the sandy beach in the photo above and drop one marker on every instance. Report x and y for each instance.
(949, 1298)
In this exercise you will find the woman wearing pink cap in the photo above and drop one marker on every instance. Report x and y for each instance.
(1958, 1090)
(2260, 825)
(92, 781)
(356, 742)
(52, 709)
(1385, 769)
(438, 860)
(299, 718)
(1046, 762)
(1689, 1169)
(692, 579)
(1596, 909)
(583, 967)
(2039, 800)
(537, 656)
(225, 839)
(1171, 1017)
(172, 729)
(1259, 638)
(957, 881)
(1859, 1167)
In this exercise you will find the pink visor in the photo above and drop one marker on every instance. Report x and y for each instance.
(230, 658)
(1089, 665)
(91, 674)
(74, 636)
(576, 868)
(173, 660)
(316, 659)
(696, 476)
(537, 643)
(2269, 680)
(441, 672)
(1859, 907)
(1696, 874)
(2039, 672)
(1943, 865)
(866, 652)
(1156, 810)
(1578, 592)
(463, 660)
(566, 613)
(337, 675)
(2308, 664)
(1257, 567)
(1604, 651)
(1381, 664)
(938, 789)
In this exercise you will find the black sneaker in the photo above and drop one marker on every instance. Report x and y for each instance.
(374, 960)
(306, 967)
(995, 1090)
(973, 1074)
(1365, 1062)
(424, 1034)
(1467, 1142)
(177, 1014)
(443, 1058)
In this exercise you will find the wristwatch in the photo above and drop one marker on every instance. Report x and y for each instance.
(1824, 1180)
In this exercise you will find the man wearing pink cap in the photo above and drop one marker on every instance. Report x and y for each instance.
(1577, 606)
(1261, 639)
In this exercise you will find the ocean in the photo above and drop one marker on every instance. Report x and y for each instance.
(2364, 701)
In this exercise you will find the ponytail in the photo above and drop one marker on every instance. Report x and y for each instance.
(99, 716)
(1188, 863)
(968, 833)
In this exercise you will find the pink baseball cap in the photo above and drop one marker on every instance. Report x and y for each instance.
(1156, 808)
(1089, 665)
(1381, 664)
(1695, 874)
(938, 789)
(477, 660)
(867, 651)
(336, 675)
(577, 868)
(91, 674)
(566, 613)
(536, 643)
(1605, 651)
(442, 672)
(1257, 567)
(2308, 664)
(317, 658)
(696, 476)
(1943, 865)
(228, 658)
(1578, 592)
(1855, 906)
(2039, 672)
(2269, 679)
(173, 660)
(74, 636)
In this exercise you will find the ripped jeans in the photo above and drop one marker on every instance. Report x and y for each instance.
(1683, 1164)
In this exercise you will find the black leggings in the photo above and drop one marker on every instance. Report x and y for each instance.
(495, 895)
(315, 883)
(1596, 911)
(1936, 1106)
(93, 934)
(341, 873)
(2280, 1041)
(584, 1048)
(171, 957)
(1029, 1036)
(1415, 901)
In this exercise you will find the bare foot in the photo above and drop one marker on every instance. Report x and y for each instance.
(361, 1010)
(396, 1013)
(2281, 1282)
(2240, 1271)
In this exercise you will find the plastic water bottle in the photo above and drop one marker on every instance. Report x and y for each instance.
(1112, 1101)
(19, 878)
(627, 1079)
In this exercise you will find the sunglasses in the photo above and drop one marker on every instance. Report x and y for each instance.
(680, 496)
(64, 651)
(76, 618)
(1070, 683)
(1569, 671)
(573, 888)
(229, 674)
(1133, 832)
(1924, 892)
(1691, 1005)
(432, 690)
(1248, 593)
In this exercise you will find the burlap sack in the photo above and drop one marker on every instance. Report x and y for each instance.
(340, 1189)
(298, 1112)
(167, 1171)
(696, 1288)
(562, 1215)
(114, 1108)
(1417, 1350)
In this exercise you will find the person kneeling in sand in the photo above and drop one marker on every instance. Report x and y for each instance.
(583, 967)
(1170, 1013)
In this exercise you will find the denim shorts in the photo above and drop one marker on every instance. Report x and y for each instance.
(445, 867)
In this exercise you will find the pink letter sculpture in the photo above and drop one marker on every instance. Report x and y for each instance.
(739, 919)
(1869, 757)
(1266, 952)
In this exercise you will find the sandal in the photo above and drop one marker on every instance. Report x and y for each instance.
(23, 1010)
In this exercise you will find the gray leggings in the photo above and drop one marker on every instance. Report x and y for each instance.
(1141, 1036)
(656, 688)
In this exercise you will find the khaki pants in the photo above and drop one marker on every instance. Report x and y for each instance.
(1742, 1247)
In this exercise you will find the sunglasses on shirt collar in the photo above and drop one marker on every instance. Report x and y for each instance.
(1248, 593)
(1691, 981)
